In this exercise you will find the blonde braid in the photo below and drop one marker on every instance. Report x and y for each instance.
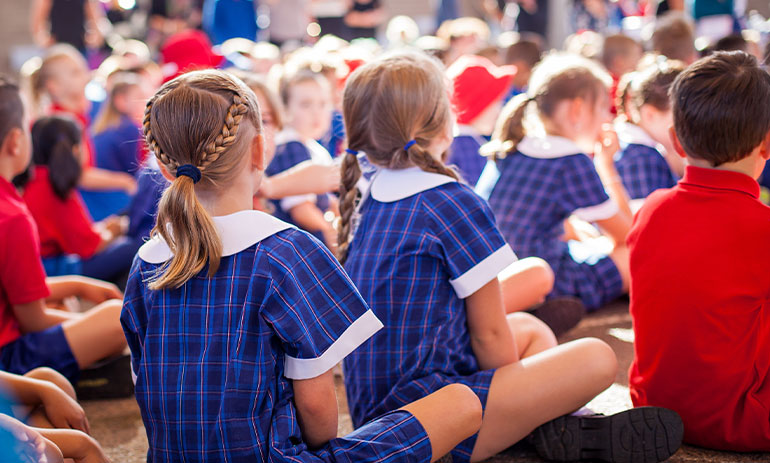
(349, 199)
(425, 161)
(213, 150)
(152, 144)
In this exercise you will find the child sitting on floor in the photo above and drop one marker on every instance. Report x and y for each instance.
(426, 254)
(31, 334)
(644, 103)
(699, 254)
(273, 310)
(307, 100)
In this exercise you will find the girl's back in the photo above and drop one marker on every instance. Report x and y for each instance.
(214, 357)
(413, 258)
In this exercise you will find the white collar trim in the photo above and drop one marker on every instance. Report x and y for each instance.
(632, 134)
(391, 185)
(238, 231)
(287, 135)
(548, 147)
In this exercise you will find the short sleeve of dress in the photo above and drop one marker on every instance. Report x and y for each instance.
(313, 306)
(22, 277)
(583, 192)
(473, 248)
(133, 317)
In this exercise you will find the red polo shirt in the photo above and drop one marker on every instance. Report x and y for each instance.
(64, 226)
(22, 278)
(700, 284)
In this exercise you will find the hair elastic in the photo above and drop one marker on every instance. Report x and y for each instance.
(189, 170)
(409, 144)
(350, 151)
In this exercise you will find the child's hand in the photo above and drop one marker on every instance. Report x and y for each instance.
(607, 146)
(30, 445)
(97, 291)
(62, 410)
(76, 445)
(90, 451)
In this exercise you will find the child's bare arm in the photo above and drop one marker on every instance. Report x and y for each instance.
(301, 179)
(39, 22)
(316, 402)
(491, 338)
(91, 289)
(307, 216)
(35, 316)
(61, 410)
(75, 444)
(616, 227)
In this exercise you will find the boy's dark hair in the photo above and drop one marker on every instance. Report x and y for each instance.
(11, 107)
(53, 142)
(616, 46)
(524, 50)
(674, 37)
(731, 43)
(721, 107)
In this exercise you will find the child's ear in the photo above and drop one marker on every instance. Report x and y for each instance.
(764, 150)
(675, 142)
(13, 142)
(258, 152)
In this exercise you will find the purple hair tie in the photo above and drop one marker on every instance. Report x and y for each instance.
(409, 144)
(189, 170)
(350, 151)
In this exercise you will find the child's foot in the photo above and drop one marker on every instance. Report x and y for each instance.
(638, 435)
(561, 314)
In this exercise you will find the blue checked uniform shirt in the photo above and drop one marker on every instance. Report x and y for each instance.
(423, 244)
(643, 170)
(214, 359)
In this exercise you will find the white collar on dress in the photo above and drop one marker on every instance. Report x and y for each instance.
(287, 135)
(238, 231)
(548, 147)
(631, 134)
(391, 185)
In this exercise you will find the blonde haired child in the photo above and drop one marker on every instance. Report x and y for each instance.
(539, 180)
(235, 319)
(425, 253)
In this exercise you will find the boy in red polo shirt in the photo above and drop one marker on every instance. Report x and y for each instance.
(32, 335)
(700, 284)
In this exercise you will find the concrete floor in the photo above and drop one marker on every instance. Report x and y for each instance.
(118, 425)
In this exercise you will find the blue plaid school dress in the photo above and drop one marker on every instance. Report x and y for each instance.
(423, 243)
(640, 164)
(215, 358)
(289, 152)
(532, 191)
(464, 153)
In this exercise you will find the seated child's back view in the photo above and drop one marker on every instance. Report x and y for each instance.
(699, 251)
(235, 319)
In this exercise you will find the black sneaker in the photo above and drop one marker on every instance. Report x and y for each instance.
(561, 314)
(107, 379)
(638, 435)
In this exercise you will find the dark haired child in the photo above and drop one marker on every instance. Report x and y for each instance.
(31, 334)
(541, 179)
(646, 108)
(699, 253)
(525, 53)
(479, 89)
(247, 375)
(64, 225)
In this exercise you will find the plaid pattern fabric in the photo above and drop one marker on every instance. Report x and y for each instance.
(531, 199)
(464, 153)
(210, 357)
(287, 156)
(402, 259)
(643, 170)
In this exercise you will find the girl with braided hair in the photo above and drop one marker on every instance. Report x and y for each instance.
(425, 253)
(235, 319)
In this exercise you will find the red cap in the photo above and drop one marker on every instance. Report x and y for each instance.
(188, 51)
(477, 84)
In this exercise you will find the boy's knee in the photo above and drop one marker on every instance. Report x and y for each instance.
(604, 362)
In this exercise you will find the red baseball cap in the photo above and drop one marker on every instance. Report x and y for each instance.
(188, 51)
(477, 84)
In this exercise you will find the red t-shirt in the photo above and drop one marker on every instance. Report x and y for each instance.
(22, 278)
(700, 291)
(64, 226)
